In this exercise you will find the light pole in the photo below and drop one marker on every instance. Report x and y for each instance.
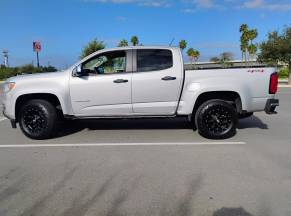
(5, 54)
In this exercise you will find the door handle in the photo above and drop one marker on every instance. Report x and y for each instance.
(120, 81)
(168, 78)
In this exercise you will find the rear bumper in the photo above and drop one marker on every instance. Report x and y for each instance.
(271, 106)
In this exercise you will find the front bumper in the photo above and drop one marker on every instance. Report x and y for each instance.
(12, 121)
(271, 106)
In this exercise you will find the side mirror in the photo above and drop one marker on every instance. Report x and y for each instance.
(79, 72)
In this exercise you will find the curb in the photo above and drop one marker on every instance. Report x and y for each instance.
(284, 86)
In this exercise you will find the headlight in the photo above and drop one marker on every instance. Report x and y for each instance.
(8, 86)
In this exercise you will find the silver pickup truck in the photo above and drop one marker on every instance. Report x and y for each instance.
(139, 82)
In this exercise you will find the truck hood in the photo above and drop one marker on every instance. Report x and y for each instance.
(40, 76)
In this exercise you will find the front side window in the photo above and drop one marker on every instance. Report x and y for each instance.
(106, 63)
(154, 60)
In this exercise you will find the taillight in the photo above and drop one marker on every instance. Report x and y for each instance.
(273, 83)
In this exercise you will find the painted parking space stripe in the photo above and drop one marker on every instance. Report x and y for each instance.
(2, 119)
(120, 144)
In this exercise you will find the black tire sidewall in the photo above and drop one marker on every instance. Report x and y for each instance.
(204, 108)
(50, 114)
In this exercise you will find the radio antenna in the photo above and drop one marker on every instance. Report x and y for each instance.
(172, 42)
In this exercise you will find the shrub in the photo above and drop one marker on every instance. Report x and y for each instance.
(5, 73)
(283, 73)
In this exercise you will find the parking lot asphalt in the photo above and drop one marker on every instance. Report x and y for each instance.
(90, 169)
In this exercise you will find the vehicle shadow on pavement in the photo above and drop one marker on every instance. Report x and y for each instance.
(75, 126)
(231, 212)
(71, 127)
(252, 122)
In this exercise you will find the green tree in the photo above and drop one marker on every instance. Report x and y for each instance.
(226, 56)
(92, 47)
(277, 49)
(215, 59)
(134, 40)
(224, 59)
(193, 55)
(123, 43)
(183, 44)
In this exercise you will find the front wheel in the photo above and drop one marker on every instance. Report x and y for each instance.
(216, 119)
(37, 119)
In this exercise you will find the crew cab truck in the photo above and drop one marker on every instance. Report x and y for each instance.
(139, 82)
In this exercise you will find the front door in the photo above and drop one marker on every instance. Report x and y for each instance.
(106, 90)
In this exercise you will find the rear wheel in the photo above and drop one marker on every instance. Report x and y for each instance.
(216, 119)
(38, 119)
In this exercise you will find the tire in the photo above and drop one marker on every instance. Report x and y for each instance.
(216, 119)
(245, 115)
(38, 119)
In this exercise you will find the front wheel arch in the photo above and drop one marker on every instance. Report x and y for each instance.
(51, 98)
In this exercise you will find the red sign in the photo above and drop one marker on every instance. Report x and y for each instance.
(36, 46)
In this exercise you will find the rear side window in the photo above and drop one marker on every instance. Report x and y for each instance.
(154, 60)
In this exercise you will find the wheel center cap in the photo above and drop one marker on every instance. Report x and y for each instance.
(215, 118)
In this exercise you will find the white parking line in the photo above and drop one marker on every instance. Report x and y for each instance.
(121, 144)
(2, 119)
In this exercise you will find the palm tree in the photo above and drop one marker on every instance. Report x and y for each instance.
(196, 55)
(244, 40)
(183, 44)
(253, 34)
(193, 55)
(246, 37)
(134, 40)
(243, 28)
(252, 50)
(123, 43)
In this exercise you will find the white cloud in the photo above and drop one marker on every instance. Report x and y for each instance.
(205, 3)
(267, 5)
(192, 5)
(148, 3)
(253, 4)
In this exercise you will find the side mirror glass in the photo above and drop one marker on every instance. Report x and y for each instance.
(78, 72)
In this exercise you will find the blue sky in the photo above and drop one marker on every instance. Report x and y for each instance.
(65, 26)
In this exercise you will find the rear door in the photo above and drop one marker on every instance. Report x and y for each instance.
(156, 82)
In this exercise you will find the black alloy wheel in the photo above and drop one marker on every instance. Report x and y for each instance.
(37, 119)
(216, 119)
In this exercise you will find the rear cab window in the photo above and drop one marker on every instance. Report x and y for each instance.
(154, 59)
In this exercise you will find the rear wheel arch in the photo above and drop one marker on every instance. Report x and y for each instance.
(231, 97)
